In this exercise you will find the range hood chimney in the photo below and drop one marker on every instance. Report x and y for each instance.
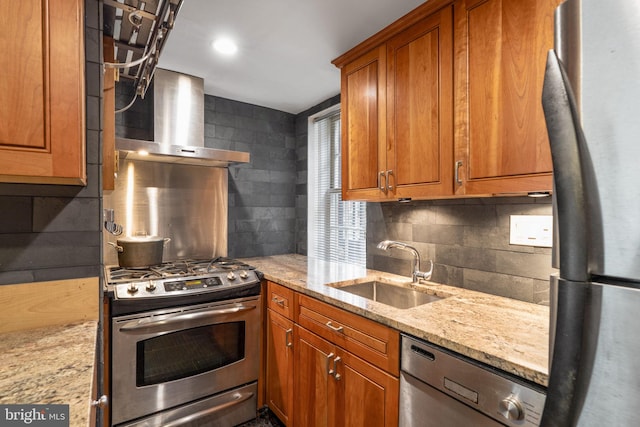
(178, 122)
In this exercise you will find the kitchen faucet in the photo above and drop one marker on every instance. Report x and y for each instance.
(415, 262)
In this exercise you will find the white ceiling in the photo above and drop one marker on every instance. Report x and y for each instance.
(285, 47)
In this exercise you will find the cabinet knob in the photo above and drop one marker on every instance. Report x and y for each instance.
(102, 402)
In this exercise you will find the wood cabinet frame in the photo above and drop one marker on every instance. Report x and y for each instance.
(501, 137)
(498, 144)
(42, 138)
(319, 358)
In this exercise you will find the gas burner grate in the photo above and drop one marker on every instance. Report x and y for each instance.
(177, 268)
(231, 264)
(120, 273)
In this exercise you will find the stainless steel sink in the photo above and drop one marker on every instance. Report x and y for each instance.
(394, 296)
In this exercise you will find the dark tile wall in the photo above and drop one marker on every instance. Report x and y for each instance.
(468, 240)
(262, 214)
(136, 122)
(52, 232)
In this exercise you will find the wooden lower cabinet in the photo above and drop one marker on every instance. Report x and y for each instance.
(279, 375)
(365, 396)
(326, 366)
(335, 388)
(313, 384)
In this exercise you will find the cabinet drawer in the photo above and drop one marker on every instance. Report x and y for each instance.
(280, 299)
(371, 341)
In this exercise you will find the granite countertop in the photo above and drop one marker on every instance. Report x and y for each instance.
(504, 333)
(50, 365)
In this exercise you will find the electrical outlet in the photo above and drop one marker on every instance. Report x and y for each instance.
(531, 230)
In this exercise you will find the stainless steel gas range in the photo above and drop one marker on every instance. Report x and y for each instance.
(184, 343)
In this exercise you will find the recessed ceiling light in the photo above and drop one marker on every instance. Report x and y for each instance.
(225, 46)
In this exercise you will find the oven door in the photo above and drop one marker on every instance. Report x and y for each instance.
(170, 357)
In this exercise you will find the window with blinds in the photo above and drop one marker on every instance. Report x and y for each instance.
(336, 230)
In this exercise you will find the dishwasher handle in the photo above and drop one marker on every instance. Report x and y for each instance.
(422, 352)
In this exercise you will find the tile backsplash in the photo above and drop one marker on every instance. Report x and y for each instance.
(468, 240)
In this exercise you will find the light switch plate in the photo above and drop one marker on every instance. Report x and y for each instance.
(531, 230)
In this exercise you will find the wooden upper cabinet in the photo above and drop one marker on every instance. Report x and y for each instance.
(462, 112)
(397, 94)
(363, 125)
(500, 61)
(42, 104)
(420, 109)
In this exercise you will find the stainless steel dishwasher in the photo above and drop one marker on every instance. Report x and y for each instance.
(441, 389)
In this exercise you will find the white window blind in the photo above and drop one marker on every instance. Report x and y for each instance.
(336, 230)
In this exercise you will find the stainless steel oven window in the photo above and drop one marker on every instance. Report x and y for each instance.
(189, 352)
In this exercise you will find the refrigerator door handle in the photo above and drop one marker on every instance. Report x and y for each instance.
(566, 140)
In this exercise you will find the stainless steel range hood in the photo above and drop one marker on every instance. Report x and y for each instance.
(178, 122)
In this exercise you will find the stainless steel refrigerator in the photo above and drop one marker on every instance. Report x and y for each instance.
(591, 100)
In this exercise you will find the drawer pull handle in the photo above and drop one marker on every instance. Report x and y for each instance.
(278, 301)
(381, 186)
(329, 370)
(287, 336)
(334, 328)
(336, 375)
(389, 175)
(457, 174)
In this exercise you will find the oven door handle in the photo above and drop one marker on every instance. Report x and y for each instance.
(179, 321)
(238, 398)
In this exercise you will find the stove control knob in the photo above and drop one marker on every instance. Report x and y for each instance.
(231, 275)
(244, 275)
(151, 286)
(132, 288)
(511, 408)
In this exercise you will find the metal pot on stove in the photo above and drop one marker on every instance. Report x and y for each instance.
(140, 251)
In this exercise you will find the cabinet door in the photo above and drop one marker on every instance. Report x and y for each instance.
(501, 56)
(365, 395)
(313, 388)
(419, 108)
(280, 373)
(372, 341)
(42, 102)
(364, 126)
